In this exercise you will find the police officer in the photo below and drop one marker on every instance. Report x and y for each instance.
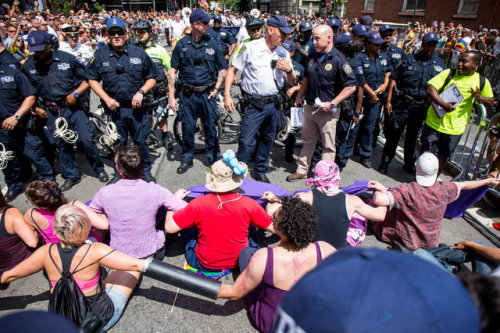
(348, 124)
(127, 74)
(253, 26)
(6, 57)
(72, 44)
(291, 94)
(408, 106)
(201, 66)
(161, 60)
(265, 65)
(367, 21)
(328, 81)
(304, 44)
(336, 25)
(18, 96)
(60, 80)
(359, 32)
(226, 40)
(373, 71)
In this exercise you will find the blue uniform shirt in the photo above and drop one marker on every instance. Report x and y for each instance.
(7, 58)
(298, 69)
(395, 55)
(225, 38)
(198, 63)
(58, 79)
(413, 75)
(14, 88)
(327, 75)
(122, 86)
(307, 47)
(369, 71)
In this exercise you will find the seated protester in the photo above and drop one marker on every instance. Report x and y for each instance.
(48, 197)
(131, 205)
(335, 208)
(16, 237)
(416, 209)
(72, 226)
(268, 273)
(221, 219)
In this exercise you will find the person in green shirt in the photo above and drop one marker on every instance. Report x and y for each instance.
(161, 59)
(441, 135)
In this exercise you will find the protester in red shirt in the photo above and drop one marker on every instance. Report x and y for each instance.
(221, 218)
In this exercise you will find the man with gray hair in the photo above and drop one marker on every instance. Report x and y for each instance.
(328, 80)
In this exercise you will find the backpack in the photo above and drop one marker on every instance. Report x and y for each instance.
(482, 80)
(67, 299)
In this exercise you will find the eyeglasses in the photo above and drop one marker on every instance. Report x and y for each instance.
(116, 33)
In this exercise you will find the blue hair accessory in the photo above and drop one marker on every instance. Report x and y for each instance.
(238, 167)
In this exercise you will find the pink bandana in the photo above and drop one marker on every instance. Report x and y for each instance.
(326, 177)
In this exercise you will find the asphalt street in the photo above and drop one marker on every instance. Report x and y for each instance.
(158, 307)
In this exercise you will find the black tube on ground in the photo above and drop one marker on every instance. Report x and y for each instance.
(181, 278)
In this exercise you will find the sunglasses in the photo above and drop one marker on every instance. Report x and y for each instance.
(253, 29)
(140, 32)
(116, 33)
(13, 31)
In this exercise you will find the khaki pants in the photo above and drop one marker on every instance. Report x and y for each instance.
(316, 123)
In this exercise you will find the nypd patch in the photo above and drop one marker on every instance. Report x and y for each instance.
(12, 66)
(383, 62)
(347, 69)
(243, 49)
(360, 70)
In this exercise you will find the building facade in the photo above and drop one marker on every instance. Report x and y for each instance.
(469, 13)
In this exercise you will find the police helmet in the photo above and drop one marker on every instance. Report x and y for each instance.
(142, 25)
(254, 21)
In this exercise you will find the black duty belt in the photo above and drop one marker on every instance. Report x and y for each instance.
(259, 101)
(188, 89)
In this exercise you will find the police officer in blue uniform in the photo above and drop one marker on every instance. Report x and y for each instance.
(373, 71)
(304, 43)
(407, 107)
(265, 65)
(201, 66)
(291, 93)
(348, 124)
(127, 74)
(359, 32)
(336, 25)
(6, 57)
(226, 40)
(18, 96)
(60, 80)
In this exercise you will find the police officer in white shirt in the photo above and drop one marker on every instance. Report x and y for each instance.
(265, 66)
(72, 44)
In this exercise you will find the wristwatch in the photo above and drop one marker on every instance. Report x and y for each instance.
(291, 69)
(16, 117)
(75, 94)
(140, 91)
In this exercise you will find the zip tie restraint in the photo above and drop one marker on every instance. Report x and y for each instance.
(110, 136)
(62, 131)
(5, 156)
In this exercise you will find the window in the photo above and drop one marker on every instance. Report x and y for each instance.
(468, 6)
(369, 5)
(413, 5)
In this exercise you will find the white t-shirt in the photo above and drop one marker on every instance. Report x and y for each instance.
(242, 34)
(81, 51)
(177, 28)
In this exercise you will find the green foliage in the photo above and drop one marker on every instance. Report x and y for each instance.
(59, 6)
(235, 5)
(98, 7)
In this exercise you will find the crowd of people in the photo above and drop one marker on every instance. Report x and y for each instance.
(338, 74)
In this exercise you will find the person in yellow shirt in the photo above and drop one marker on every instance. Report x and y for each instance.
(441, 135)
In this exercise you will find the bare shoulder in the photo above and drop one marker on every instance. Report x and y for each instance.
(326, 249)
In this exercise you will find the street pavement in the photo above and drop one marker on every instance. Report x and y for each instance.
(158, 307)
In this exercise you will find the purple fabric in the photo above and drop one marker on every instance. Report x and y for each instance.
(255, 189)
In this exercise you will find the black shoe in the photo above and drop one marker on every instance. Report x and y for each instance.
(166, 140)
(261, 178)
(103, 176)
(68, 184)
(184, 167)
(383, 168)
(12, 194)
(367, 162)
(148, 179)
(289, 158)
(113, 180)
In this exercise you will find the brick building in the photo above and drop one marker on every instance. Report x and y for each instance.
(469, 13)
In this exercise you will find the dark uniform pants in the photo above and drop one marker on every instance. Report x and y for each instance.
(27, 148)
(263, 121)
(404, 115)
(345, 144)
(189, 110)
(366, 128)
(135, 121)
(78, 122)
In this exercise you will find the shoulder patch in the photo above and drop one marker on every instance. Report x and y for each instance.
(12, 66)
(360, 70)
(243, 49)
(347, 68)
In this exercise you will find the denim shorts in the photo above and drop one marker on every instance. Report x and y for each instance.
(119, 300)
